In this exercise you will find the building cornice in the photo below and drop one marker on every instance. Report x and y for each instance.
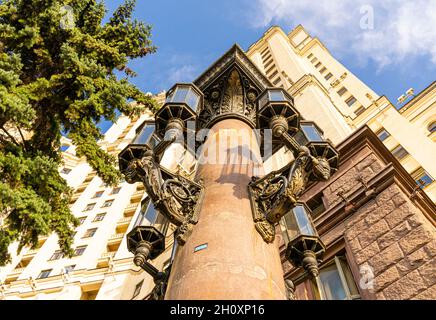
(418, 97)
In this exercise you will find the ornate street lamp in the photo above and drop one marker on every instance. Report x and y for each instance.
(147, 238)
(147, 241)
(182, 103)
(304, 248)
(277, 194)
(173, 195)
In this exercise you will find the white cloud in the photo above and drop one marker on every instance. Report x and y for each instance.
(402, 29)
(183, 73)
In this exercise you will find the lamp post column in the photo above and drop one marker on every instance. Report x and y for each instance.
(225, 257)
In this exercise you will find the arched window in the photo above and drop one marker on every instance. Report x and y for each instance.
(432, 127)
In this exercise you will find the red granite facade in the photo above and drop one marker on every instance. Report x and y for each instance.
(376, 219)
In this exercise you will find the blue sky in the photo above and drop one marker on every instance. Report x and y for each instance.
(395, 50)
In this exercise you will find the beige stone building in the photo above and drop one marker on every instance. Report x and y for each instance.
(328, 93)
(371, 215)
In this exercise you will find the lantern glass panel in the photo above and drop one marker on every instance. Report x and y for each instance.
(276, 95)
(145, 133)
(298, 223)
(149, 216)
(192, 99)
(180, 94)
(184, 94)
(311, 132)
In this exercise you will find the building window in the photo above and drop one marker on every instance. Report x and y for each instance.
(314, 60)
(99, 217)
(359, 110)
(310, 56)
(137, 289)
(383, 134)
(116, 190)
(318, 65)
(79, 251)
(264, 50)
(268, 63)
(432, 127)
(342, 91)
(350, 101)
(69, 268)
(89, 206)
(57, 255)
(335, 282)
(98, 194)
(275, 82)
(89, 233)
(422, 178)
(316, 205)
(107, 203)
(399, 152)
(66, 170)
(266, 57)
(322, 70)
(270, 69)
(82, 220)
(273, 74)
(44, 274)
(328, 76)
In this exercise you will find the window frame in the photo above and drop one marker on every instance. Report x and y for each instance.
(399, 147)
(103, 214)
(419, 173)
(87, 208)
(98, 194)
(66, 169)
(82, 219)
(86, 235)
(115, 188)
(351, 98)
(342, 91)
(111, 201)
(79, 247)
(43, 272)
(69, 268)
(57, 255)
(379, 132)
(328, 76)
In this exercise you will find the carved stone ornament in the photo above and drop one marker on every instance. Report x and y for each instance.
(275, 194)
(174, 196)
(230, 87)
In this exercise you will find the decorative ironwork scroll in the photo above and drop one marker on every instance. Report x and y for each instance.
(275, 194)
(173, 195)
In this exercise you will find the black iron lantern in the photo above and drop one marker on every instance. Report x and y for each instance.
(276, 112)
(309, 132)
(179, 113)
(304, 247)
(185, 93)
(147, 238)
(145, 140)
(145, 135)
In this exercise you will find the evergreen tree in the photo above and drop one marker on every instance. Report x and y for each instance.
(61, 70)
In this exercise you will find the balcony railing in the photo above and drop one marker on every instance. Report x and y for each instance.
(31, 252)
(16, 271)
(125, 220)
(116, 236)
(107, 255)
